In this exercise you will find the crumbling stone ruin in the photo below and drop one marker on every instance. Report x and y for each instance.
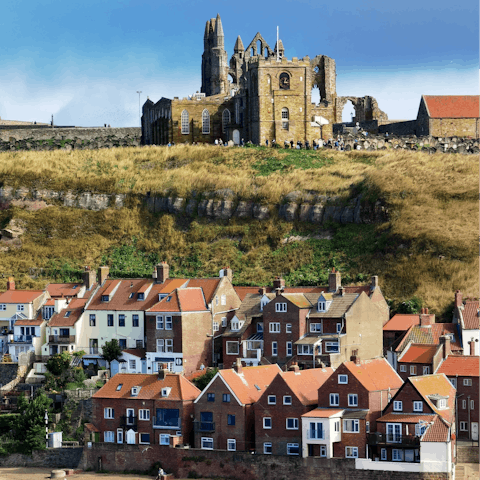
(258, 95)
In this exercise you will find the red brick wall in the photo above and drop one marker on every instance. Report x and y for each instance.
(196, 346)
(418, 366)
(408, 395)
(463, 413)
(351, 440)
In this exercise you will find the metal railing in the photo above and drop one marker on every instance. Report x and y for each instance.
(203, 426)
(392, 438)
(61, 339)
(129, 421)
(157, 423)
(93, 350)
(23, 338)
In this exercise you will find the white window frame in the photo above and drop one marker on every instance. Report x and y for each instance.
(398, 406)
(383, 454)
(280, 307)
(205, 122)
(323, 451)
(334, 399)
(160, 345)
(288, 328)
(467, 382)
(472, 404)
(343, 379)
(351, 422)
(289, 346)
(267, 423)
(351, 452)
(417, 406)
(208, 440)
(272, 400)
(274, 327)
(109, 413)
(3, 306)
(274, 349)
(322, 306)
(287, 399)
(267, 448)
(164, 439)
(304, 349)
(231, 445)
(185, 122)
(168, 323)
(223, 300)
(352, 400)
(403, 368)
(339, 327)
(464, 426)
(413, 369)
(453, 381)
(119, 435)
(332, 347)
(426, 370)
(464, 404)
(293, 421)
(160, 322)
(293, 445)
(20, 307)
(216, 327)
(227, 344)
(140, 438)
(109, 436)
(397, 455)
(315, 328)
(144, 414)
(224, 321)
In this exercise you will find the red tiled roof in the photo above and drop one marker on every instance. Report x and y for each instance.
(30, 323)
(418, 353)
(406, 417)
(150, 385)
(20, 296)
(452, 106)
(460, 365)
(110, 286)
(322, 412)
(436, 432)
(305, 383)
(208, 285)
(376, 374)
(90, 427)
(63, 289)
(49, 303)
(431, 335)
(75, 307)
(471, 320)
(243, 385)
(137, 352)
(436, 384)
(401, 322)
(181, 300)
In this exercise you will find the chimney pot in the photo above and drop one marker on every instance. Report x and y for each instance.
(238, 367)
(103, 274)
(163, 270)
(458, 298)
(334, 281)
(471, 343)
(445, 341)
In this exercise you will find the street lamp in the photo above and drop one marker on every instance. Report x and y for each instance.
(139, 110)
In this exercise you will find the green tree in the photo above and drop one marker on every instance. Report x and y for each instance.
(202, 381)
(29, 428)
(411, 306)
(111, 350)
(59, 363)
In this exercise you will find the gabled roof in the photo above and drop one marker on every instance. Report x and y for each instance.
(471, 319)
(136, 352)
(452, 106)
(322, 412)
(460, 365)
(298, 299)
(25, 322)
(401, 322)
(437, 431)
(430, 334)
(20, 296)
(339, 306)
(208, 285)
(418, 353)
(150, 385)
(305, 383)
(244, 385)
(376, 374)
(75, 307)
(63, 289)
(181, 300)
(436, 384)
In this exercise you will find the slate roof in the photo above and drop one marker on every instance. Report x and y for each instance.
(460, 365)
(431, 334)
(401, 322)
(150, 385)
(376, 374)
(75, 307)
(243, 384)
(339, 306)
(19, 296)
(181, 300)
(418, 353)
(471, 319)
(452, 106)
(305, 383)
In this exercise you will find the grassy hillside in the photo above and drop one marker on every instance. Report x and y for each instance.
(427, 249)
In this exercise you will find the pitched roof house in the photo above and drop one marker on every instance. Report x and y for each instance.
(466, 314)
(224, 411)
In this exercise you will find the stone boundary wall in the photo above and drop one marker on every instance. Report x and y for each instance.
(68, 138)
(467, 454)
(220, 205)
(49, 458)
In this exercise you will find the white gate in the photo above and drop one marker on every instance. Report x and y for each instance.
(474, 431)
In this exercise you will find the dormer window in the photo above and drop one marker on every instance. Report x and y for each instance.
(322, 306)
(442, 403)
(105, 298)
(161, 296)
(135, 391)
(236, 325)
(166, 391)
(141, 296)
(259, 327)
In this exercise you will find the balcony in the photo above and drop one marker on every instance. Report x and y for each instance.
(172, 424)
(93, 350)
(56, 339)
(392, 439)
(22, 339)
(203, 426)
(128, 422)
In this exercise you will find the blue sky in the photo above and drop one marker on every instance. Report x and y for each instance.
(84, 61)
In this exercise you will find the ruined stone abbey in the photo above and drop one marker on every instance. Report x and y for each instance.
(258, 95)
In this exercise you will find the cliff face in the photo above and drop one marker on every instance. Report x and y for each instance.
(216, 206)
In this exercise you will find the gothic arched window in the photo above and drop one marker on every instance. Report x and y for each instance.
(225, 119)
(205, 122)
(185, 123)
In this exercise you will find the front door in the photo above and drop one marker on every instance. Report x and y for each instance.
(474, 431)
(236, 137)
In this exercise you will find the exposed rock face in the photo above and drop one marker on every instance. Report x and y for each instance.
(315, 208)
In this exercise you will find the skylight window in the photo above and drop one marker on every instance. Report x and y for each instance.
(119, 387)
(131, 295)
(169, 298)
(74, 287)
(257, 387)
(67, 314)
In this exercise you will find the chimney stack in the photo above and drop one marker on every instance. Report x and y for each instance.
(11, 283)
(426, 319)
(163, 270)
(445, 341)
(334, 280)
(355, 358)
(341, 291)
(471, 344)
(262, 291)
(89, 277)
(238, 367)
(162, 372)
(226, 272)
(294, 367)
(458, 298)
(103, 274)
(279, 285)
(374, 282)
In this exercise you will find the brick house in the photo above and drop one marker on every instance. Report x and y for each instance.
(349, 403)
(463, 373)
(466, 314)
(448, 116)
(417, 426)
(279, 410)
(398, 326)
(145, 409)
(224, 411)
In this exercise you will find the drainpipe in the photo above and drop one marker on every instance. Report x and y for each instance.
(469, 426)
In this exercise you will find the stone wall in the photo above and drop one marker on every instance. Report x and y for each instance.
(8, 372)
(407, 127)
(45, 138)
(49, 458)
(467, 454)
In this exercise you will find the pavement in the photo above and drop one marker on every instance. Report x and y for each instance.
(21, 473)
(465, 471)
